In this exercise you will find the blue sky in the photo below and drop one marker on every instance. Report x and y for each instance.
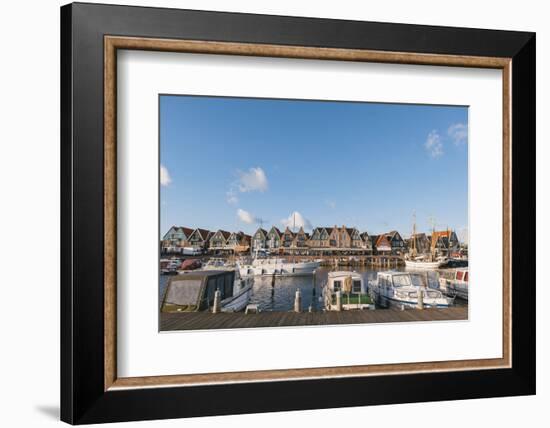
(235, 163)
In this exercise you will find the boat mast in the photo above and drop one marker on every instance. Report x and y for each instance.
(433, 244)
(414, 235)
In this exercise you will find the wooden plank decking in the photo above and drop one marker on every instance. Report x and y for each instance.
(206, 320)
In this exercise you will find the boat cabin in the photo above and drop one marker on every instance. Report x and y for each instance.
(345, 282)
(345, 290)
(194, 291)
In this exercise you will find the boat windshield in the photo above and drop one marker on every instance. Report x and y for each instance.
(407, 280)
(183, 292)
(418, 280)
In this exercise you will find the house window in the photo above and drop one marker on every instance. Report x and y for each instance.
(337, 285)
(356, 286)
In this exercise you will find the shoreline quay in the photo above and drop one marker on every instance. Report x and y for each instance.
(207, 320)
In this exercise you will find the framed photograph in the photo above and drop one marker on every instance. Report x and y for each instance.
(266, 213)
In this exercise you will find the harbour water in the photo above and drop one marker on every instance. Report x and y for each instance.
(279, 295)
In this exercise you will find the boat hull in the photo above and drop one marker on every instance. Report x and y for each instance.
(280, 269)
(238, 302)
(420, 265)
(452, 288)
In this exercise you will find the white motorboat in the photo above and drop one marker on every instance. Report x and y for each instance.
(195, 291)
(277, 267)
(402, 289)
(345, 290)
(455, 282)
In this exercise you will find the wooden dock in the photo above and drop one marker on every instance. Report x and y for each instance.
(207, 320)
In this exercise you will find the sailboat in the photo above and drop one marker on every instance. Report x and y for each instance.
(416, 261)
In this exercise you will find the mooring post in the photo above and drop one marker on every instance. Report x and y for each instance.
(420, 299)
(217, 301)
(298, 301)
(338, 301)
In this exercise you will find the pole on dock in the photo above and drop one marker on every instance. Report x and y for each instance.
(217, 301)
(338, 301)
(420, 299)
(298, 301)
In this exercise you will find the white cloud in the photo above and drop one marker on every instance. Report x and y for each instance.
(165, 178)
(232, 198)
(458, 133)
(246, 217)
(254, 179)
(298, 220)
(434, 145)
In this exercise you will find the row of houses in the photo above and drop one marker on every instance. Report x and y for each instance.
(179, 237)
(321, 241)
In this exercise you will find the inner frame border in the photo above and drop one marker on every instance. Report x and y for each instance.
(113, 43)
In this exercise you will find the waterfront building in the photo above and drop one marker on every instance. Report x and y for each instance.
(219, 240)
(259, 239)
(382, 245)
(287, 238)
(345, 238)
(238, 242)
(444, 242)
(367, 242)
(274, 239)
(356, 242)
(320, 238)
(175, 239)
(396, 242)
(199, 238)
(300, 242)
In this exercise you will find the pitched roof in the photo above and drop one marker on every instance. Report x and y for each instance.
(186, 230)
(350, 230)
(224, 233)
(380, 241)
(441, 233)
(288, 231)
(203, 232)
(262, 230)
(276, 230)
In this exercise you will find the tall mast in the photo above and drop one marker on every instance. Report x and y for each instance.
(414, 234)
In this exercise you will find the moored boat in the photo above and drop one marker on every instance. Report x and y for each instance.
(277, 267)
(455, 282)
(402, 289)
(423, 263)
(418, 258)
(195, 291)
(345, 290)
